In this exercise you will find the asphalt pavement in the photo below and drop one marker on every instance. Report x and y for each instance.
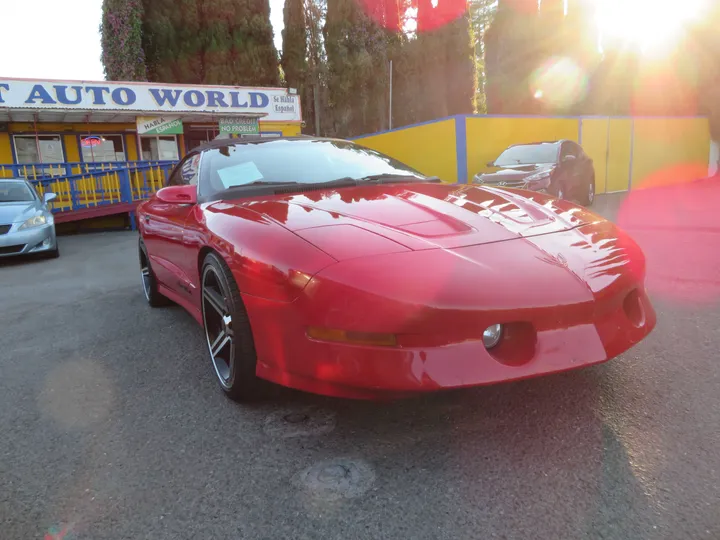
(112, 427)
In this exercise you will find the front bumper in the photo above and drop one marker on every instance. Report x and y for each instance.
(567, 300)
(287, 356)
(28, 241)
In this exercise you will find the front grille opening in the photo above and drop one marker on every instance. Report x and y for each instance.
(9, 250)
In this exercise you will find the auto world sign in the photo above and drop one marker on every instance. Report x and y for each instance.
(274, 104)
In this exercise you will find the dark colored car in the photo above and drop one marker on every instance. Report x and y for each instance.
(560, 168)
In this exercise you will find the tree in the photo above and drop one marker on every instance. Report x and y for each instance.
(190, 41)
(511, 56)
(358, 50)
(482, 13)
(294, 54)
(123, 56)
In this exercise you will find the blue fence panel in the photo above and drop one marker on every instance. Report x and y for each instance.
(98, 184)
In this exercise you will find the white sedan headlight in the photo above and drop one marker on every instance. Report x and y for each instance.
(35, 221)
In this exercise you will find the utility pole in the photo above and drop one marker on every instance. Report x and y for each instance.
(390, 99)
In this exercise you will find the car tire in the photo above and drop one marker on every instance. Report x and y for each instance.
(228, 333)
(148, 280)
(589, 196)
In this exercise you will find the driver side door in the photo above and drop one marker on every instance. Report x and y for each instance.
(164, 230)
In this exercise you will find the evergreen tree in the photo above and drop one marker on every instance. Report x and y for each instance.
(121, 37)
(358, 51)
(190, 41)
(511, 56)
(294, 54)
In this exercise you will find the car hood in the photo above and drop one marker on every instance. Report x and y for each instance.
(510, 174)
(371, 220)
(15, 212)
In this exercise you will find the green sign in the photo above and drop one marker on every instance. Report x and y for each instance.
(241, 125)
(159, 125)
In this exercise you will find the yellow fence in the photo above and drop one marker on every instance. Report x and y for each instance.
(627, 152)
(430, 148)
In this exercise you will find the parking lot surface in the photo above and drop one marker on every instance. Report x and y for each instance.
(112, 426)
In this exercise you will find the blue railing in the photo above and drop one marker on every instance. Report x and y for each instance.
(93, 185)
(37, 171)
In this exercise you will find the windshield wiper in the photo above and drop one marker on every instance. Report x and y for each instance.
(390, 178)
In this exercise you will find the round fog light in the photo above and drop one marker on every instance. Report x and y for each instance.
(492, 335)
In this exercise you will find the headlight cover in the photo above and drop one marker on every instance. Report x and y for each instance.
(35, 221)
(542, 175)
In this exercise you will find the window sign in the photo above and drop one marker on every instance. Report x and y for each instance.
(240, 175)
(159, 125)
(242, 125)
(102, 148)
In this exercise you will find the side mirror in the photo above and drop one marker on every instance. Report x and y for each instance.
(568, 158)
(49, 197)
(178, 194)
(490, 163)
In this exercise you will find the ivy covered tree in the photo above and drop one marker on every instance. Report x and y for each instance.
(190, 41)
(123, 56)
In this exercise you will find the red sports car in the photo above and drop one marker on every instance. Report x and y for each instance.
(328, 267)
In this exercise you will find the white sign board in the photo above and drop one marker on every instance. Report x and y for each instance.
(274, 104)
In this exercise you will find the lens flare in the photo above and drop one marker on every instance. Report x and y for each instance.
(673, 218)
(559, 83)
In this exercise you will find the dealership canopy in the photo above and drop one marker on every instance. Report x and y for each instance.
(23, 100)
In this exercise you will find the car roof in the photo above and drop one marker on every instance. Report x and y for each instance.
(13, 181)
(219, 143)
(539, 142)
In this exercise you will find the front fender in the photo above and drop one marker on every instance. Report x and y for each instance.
(266, 259)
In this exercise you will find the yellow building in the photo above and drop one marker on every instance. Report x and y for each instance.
(76, 122)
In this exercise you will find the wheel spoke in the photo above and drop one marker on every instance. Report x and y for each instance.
(219, 344)
(215, 300)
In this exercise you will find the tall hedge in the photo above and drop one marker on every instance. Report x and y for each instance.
(123, 56)
(190, 41)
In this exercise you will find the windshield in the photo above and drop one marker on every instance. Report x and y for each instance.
(15, 192)
(528, 154)
(293, 161)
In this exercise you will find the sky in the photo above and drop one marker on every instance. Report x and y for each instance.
(60, 39)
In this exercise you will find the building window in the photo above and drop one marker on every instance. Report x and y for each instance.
(159, 148)
(102, 148)
(38, 149)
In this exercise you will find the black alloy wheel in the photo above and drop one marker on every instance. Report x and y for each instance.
(227, 332)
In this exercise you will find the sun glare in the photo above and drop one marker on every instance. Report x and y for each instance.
(652, 25)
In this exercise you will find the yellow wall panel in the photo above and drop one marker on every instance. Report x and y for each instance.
(5, 154)
(287, 129)
(619, 155)
(488, 136)
(595, 143)
(72, 152)
(429, 148)
(131, 149)
(669, 150)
